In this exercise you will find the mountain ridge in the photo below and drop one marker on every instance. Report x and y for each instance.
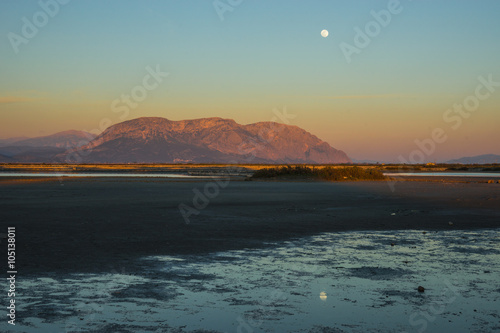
(214, 139)
(64, 139)
(41, 149)
(478, 159)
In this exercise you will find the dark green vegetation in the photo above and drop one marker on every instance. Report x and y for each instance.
(326, 173)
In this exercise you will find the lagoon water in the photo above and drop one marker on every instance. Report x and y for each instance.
(178, 175)
(99, 174)
(332, 282)
(444, 174)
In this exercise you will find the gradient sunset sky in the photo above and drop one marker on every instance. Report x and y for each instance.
(256, 56)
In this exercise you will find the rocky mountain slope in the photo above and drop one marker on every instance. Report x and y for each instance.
(207, 140)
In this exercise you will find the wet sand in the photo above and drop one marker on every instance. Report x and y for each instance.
(94, 225)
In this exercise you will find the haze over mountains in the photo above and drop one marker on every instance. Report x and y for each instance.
(64, 139)
(159, 140)
(480, 159)
(8, 141)
(41, 149)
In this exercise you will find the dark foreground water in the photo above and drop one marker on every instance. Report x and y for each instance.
(333, 282)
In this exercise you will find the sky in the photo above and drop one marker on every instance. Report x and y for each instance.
(394, 81)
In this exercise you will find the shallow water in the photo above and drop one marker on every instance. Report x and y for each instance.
(444, 174)
(99, 174)
(333, 282)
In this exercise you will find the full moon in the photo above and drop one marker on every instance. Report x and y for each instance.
(324, 33)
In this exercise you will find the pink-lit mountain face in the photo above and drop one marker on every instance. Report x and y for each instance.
(207, 140)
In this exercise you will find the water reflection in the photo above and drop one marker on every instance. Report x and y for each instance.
(275, 289)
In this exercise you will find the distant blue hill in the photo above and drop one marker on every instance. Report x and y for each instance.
(480, 159)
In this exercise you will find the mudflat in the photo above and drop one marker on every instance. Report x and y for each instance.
(93, 225)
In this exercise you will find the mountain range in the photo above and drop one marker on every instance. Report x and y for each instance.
(43, 148)
(206, 140)
(159, 140)
(480, 159)
(64, 139)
